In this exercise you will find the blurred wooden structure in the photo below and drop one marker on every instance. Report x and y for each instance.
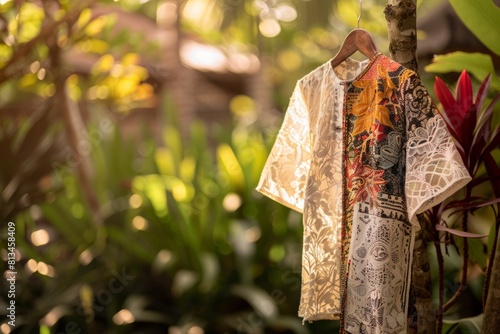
(200, 78)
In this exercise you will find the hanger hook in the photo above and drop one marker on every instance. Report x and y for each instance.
(360, 11)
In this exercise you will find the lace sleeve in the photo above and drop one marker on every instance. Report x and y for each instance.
(434, 168)
(285, 173)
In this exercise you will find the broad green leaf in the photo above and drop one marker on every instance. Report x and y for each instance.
(165, 161)
(187, 169)
(482, 17)
(449, 328)
(44, 329)
(153, 187)
(476, 252)
(466, 325)
(173, 140)
(477, 64)
(230, 164)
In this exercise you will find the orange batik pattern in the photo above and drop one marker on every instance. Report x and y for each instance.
(361, 151)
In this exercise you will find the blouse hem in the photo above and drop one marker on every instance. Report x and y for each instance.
(435, 200)
(280, 200)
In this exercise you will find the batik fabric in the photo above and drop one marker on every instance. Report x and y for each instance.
(362, 150)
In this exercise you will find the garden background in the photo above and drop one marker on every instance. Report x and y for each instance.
(133, 134)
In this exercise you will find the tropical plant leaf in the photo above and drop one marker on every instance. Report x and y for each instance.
(466, 325)
(495, 141)
(494, 172)
(483, 92)
(450, 106)
(479, 65)
(440, 227)
(486, 117)
(481, 17)
(260, 300)
(464, 92)
(449, 328)
(483, 204)
(477, 252)
(468, 127)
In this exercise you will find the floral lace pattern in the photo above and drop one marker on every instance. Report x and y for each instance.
(361, 151)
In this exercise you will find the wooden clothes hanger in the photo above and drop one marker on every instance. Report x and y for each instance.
(357, 40)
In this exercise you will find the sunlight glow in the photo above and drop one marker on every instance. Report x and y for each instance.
(41, 74)
(231, 202)
(31, 266)
(203, 57)
(53, 316)
(139, 223)
(4, 254)
(194, 10)
(86, 257)
(40, 237)
(243, 63)
(123, 317)
(179, 191)
(45, 269)
(162, 259)
(217, 59)
(286, 13)
(179, 330)
(269, 28)
(135, 201)
(252, 234)
(5, 328)
(166, 13)
(35, 66)
(195, 330)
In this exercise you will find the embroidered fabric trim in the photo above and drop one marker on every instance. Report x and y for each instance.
(359, 205)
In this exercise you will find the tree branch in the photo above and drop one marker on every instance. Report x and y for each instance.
(47, 31)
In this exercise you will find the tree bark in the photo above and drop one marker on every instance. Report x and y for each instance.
(492, 307)
(401, 16)
(180, 83)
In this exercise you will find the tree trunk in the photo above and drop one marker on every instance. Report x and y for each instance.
(180, 79)
(76, 133)
(492, 307)
(401, 16)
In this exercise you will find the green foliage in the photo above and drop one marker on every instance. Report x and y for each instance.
(185, 240)
(29, 147)
(478, 65)
(463, 326)
(182, 223)
(470, 122)
(482, 17)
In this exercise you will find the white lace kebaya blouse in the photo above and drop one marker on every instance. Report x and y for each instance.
(361, 151)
